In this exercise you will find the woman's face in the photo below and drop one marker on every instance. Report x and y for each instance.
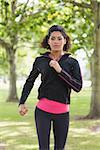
(56, 41)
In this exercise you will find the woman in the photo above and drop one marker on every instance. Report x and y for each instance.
(59, 74)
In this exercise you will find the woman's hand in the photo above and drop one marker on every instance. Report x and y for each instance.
(23, 109)
(55, 65)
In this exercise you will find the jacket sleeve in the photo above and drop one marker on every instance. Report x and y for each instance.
(29, 83)
(73, 80)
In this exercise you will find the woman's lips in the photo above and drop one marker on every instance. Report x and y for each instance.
(56, 45)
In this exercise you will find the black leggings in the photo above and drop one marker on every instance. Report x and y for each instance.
(60, 129)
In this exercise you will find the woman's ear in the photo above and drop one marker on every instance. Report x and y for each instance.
(64, 41)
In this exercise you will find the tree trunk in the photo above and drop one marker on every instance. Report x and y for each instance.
(95, 67)
(12, 97)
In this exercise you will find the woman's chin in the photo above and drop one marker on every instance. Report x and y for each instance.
(56, 50)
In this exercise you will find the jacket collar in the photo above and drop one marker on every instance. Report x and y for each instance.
(46, 54)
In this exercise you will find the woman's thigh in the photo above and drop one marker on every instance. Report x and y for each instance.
(60, 129)
(43, 126)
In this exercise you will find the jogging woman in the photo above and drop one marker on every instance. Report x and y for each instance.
(60, 73)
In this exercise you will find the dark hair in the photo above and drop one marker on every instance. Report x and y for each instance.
(44, 43)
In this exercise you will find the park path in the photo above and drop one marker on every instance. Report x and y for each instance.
(2, 146)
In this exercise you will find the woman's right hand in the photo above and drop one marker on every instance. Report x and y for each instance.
(22, 109)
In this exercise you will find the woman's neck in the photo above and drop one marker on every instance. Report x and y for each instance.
(56, 55)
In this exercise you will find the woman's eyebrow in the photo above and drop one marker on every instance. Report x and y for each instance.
(56, 36)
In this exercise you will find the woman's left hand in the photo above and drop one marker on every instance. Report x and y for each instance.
(55, 65)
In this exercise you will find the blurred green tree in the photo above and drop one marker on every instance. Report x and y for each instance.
(16, 23)
(91, 47)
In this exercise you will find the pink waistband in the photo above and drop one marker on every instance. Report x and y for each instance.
(52, 106)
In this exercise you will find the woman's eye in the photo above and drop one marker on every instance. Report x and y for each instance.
(52, 38)
(59, 38)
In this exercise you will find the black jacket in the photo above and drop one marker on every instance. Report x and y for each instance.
(54, 86)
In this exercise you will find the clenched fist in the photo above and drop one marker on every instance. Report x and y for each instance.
(22, 109)
(55, 65)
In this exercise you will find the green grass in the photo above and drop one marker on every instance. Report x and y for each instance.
(18, 132)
